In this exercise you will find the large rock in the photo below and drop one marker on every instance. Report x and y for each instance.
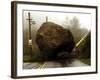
(53, 40)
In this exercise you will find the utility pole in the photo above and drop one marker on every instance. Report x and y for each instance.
(30, 36)
(46, 18)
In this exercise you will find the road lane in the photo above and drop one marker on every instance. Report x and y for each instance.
(54, 64)
(76, 63)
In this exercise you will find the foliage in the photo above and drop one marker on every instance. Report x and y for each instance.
(86, 61)
(86, 47)
(26, 58)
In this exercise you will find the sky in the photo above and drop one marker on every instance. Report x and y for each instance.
(57, 17)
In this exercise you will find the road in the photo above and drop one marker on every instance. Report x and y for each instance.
(54, 64)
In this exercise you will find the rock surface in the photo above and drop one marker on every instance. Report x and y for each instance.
(53, 40)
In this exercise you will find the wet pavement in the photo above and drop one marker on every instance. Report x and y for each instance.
(54, 64)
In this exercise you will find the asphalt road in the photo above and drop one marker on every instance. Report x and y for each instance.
(54, 64)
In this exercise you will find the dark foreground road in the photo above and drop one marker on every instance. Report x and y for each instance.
(54, 64)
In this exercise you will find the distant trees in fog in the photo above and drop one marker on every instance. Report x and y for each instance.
(74, 26)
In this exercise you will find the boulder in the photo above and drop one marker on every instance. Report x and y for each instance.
(53, 40)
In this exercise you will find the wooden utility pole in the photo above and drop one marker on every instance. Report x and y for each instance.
(30, 36)
(46, 18)
(29, 19)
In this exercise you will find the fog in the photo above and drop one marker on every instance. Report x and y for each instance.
(78, 23)
(57, 17)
